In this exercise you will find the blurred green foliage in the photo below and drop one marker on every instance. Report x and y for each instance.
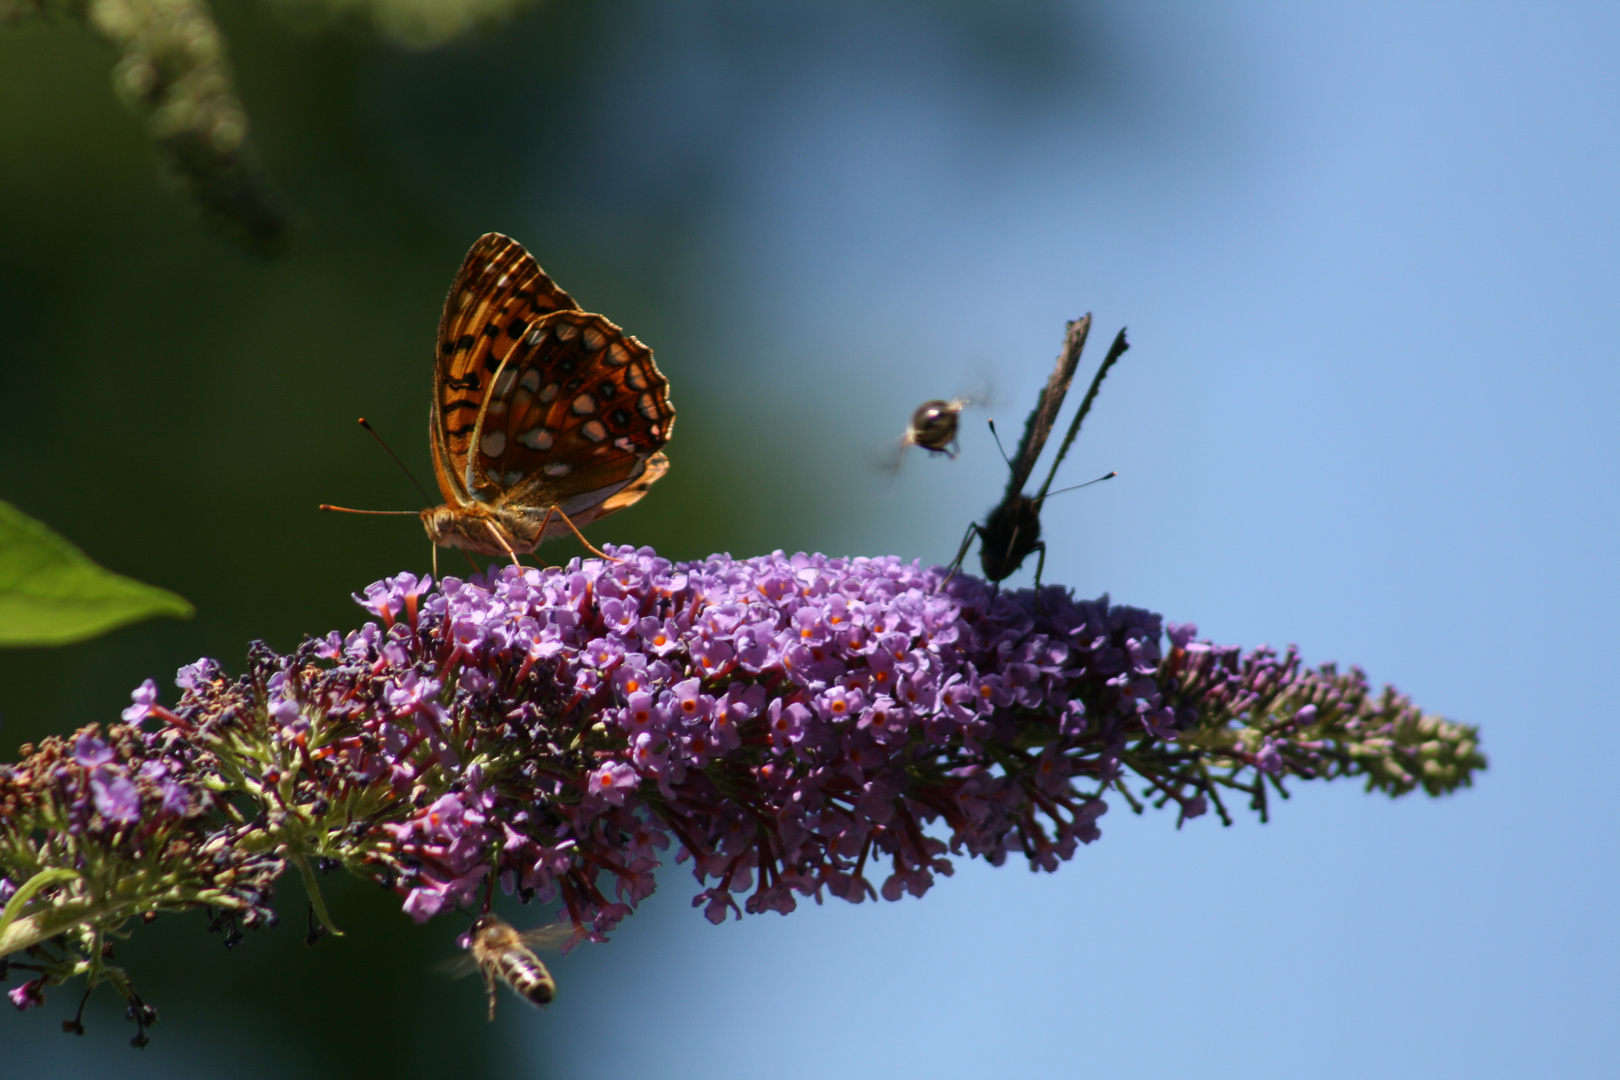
(50, 594)
(172, 70)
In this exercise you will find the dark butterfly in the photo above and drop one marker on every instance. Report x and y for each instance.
(1013, 528)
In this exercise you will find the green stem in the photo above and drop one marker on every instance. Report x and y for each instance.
(313, 888)
(20, 898)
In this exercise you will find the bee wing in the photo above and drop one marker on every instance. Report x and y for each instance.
(553, 937)
(457, 967)
(889, 456)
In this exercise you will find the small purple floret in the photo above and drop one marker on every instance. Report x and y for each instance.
(145, 696)
(116, 798)
(28, 995)
(90, 751)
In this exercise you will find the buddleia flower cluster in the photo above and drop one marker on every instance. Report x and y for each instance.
(788, 727)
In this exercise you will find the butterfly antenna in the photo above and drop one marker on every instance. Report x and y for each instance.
(390, 452)
(385, 513)
(1115, 351)
(996, 437)
(1077, 487)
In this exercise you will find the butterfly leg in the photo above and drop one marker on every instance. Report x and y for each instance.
(961, 553)
(1040, 564)
(501, 540)
(590, 547)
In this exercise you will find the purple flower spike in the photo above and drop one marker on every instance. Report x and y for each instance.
(787, 726)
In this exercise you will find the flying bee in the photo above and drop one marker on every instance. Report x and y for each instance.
(933, 426)
(1013, 528)
(501, 953)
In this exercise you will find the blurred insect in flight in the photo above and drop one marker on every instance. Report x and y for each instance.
(934, 426)
(1013, 528)
(501, 953)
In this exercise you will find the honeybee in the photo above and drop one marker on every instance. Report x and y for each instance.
(933, 426)
(502, 953)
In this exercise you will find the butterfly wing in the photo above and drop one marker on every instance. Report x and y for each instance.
(575, 420)
(1039, 425)
(499, 293)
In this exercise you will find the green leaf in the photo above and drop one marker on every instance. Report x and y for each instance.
(52, 594)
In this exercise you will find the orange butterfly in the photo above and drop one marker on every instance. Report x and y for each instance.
(544, 417)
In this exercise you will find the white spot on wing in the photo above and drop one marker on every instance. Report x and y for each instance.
(557, 468)
(493, 444)
(549, 394)
(536, 438)
(584, 405)
(594, 431)
(530, 380)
